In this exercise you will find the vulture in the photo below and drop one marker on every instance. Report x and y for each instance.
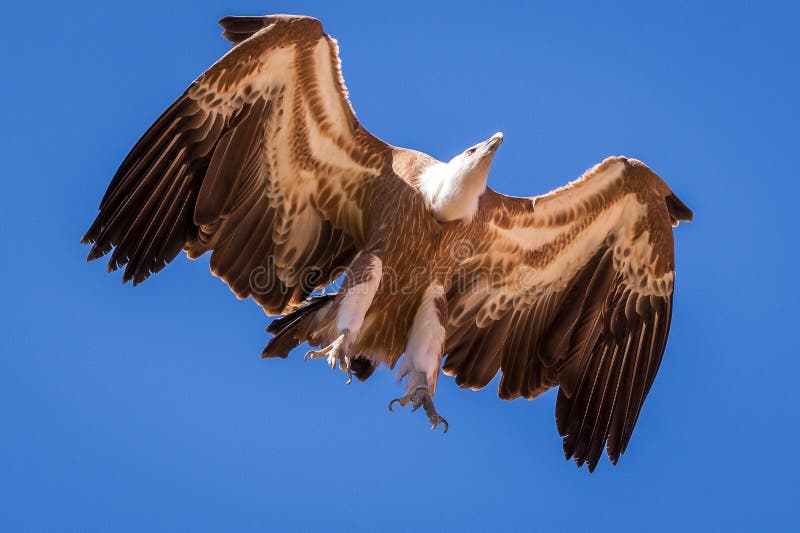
(263, 163)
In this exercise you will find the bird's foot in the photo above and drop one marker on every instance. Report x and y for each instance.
(421, 397)
(335, 353)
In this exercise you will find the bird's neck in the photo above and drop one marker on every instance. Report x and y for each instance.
(450, 193)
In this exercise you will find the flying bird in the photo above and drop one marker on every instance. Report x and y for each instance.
(262, 162)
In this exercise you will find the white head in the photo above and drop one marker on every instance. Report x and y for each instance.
(474, 162)
(453, 189)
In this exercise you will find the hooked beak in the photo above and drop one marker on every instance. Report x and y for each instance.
(495, 140)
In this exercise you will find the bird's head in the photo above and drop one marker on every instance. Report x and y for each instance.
(476, 160)
(453, 189)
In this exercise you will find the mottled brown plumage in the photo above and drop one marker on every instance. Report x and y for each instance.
(263, 163)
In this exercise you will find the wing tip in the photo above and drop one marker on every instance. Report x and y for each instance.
(591, 460)
(96, 252)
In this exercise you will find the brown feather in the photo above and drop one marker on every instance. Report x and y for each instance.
(203, 176)
(601, 335)
(263, 163)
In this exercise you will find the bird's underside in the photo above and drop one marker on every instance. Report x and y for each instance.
(262, 162)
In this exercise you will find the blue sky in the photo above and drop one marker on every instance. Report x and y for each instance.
(149, 409)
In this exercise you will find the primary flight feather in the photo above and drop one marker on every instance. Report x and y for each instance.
(262, 162)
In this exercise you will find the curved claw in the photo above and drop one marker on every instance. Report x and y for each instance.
(403, 401)
(421, 397)
(336, 352)
(345, 366)
(440, 420)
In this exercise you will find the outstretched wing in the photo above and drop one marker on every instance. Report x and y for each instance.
(572, 289)
(261, 160)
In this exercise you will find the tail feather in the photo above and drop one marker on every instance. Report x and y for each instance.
(293, 329)
(289, 329)
(362, 368)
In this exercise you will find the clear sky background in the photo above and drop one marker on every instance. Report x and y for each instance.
(149, 409)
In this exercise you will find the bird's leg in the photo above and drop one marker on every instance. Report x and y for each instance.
(335, 352)
(422, 396)
(423, 355)
(358, 291)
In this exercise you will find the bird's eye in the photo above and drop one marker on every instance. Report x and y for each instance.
(470, 151)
